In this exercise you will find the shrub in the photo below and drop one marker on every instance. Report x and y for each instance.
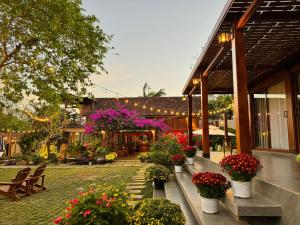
(167, 144)
(36, 159)
(161, 158)
(144, 156)
(157, 212)
(111, 157)
(241, 167)
(211, 185)
(189, 151)
(178, 160)
(53, 158)
(96, 207)
(157, 172)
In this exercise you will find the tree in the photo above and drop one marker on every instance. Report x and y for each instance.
(13, 122)
(48, 48)
(217, 102)
(148, 93)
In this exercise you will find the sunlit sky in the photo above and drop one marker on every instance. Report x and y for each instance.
(155, 41)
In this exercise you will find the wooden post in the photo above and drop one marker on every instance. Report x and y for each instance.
(190, 120)
(225, 129)
(9, 146)
(204, 114)
(240, 80)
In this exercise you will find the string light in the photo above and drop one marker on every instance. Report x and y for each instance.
(18, 131)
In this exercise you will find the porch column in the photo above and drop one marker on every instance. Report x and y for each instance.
(204, 115)
(225, 129)
(190, 120)
(240, 80)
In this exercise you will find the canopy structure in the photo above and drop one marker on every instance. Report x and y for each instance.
(213, 130)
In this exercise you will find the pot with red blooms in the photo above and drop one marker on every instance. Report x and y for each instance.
(178, 161)
(211, 187)
(190, 152)
(241, 168)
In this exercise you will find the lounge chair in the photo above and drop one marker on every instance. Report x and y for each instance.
(33, 180)
(10, 189)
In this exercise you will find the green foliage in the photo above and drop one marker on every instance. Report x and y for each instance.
(30, 142)
(52, 158)
(212, 191)
(48, 49)
(144, 155)
(161, 158)
(167, 144)
(218, 102)
(102, 151)
(96, 207)
(157, 212)
(36, 159)
(9, 121)
(157, 172)
(76, 149)
(148, 93)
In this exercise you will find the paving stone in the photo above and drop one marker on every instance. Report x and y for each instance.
(136, 184)
(135, 191)
(137, 197)
(137, 187)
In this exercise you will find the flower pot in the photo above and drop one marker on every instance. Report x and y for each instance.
(178, 169)
(143, 160)
(90, 163)
(209, 205)
(241, 189)
(101, 160)
(190, 160)
(158, 184)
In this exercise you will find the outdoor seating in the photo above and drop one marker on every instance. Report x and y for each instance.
(10, 189)
(33, 180)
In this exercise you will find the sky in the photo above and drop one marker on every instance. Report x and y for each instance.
(155, 41)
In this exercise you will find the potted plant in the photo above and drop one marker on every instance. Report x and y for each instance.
(101, 152)
(110, 157)
(157, 174)
(178, 161)
(241, 168)
(211, 187)
(143, 156)
(190, 152)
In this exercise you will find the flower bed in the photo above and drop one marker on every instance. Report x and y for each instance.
(241, 167)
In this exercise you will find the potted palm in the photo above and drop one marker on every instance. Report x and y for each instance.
(158, 175)
(178, 161)
(211, 187)
(190, 152)
(241, 168)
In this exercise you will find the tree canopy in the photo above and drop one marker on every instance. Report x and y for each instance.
(48, 48)
(148, 93)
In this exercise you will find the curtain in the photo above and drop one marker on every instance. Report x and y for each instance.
(277, 116)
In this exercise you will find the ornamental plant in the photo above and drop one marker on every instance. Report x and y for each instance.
(157, 173)
(211, 185)
(189, 151)
(96, 207)
(144, 156)
(178, 160)
(241, 167)
(156, 211)
(111, 157)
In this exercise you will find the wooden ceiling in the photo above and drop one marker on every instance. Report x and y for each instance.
(272, 42)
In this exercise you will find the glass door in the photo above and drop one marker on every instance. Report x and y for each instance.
(297, 109)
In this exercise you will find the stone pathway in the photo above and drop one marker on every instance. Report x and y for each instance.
(136, 186)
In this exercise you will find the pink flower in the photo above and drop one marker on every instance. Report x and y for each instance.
(74, 201)
(108, 205)
(98, 202)
(68, 215)
(58, 220)
(86, 213)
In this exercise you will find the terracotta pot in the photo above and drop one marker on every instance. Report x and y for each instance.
(158, 184)
(209, 205)
(178, 169)
(241, 189)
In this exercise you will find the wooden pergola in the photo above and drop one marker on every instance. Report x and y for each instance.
(264, 39)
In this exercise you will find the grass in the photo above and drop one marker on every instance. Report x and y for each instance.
(63, 183)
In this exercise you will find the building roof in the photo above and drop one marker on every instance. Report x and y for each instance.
(150, 106)
(272, 43)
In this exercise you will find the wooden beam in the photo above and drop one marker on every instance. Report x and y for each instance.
(225, 128)
(240, 78)
(190, 120)
(192, 91)
(204, 114)
(249, 12)
(213, 62)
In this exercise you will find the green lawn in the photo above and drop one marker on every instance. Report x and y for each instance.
(62, 184)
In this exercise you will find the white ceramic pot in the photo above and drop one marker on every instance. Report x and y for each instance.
(190, 161)
(178, 169)
(241, 189)
(209, 205)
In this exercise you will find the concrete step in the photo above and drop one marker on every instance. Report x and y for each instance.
(257, 206)
(135, 192)
(173, 193)
(136, 183)
(135, 197)
(135, 187)
(192, 197)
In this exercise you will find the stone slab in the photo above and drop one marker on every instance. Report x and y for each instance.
(135, 187)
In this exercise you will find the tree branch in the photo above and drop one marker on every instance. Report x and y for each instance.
(10, 55)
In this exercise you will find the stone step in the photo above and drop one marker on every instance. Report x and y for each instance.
(174, 194)
(136, 183)
(257, 206)
(192, 197)
(135, 191)
(135, 197)
(135, 187)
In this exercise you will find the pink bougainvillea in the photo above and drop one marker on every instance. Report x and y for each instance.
(121, 119)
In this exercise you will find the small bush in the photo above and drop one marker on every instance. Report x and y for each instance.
(161, 158)
(52, 158)
(157, 172)
(36, 159)
(157, 212)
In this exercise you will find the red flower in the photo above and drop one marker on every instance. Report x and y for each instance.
(68, 215)
(58, 220)
(178, 159)
(108, 205)
(98, 202)
(86, 213)
(74, 201)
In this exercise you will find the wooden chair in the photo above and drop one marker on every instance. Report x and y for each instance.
(33, 180)
(10, 189)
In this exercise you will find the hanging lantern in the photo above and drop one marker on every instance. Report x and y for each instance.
(196, 81)
(224, 37)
